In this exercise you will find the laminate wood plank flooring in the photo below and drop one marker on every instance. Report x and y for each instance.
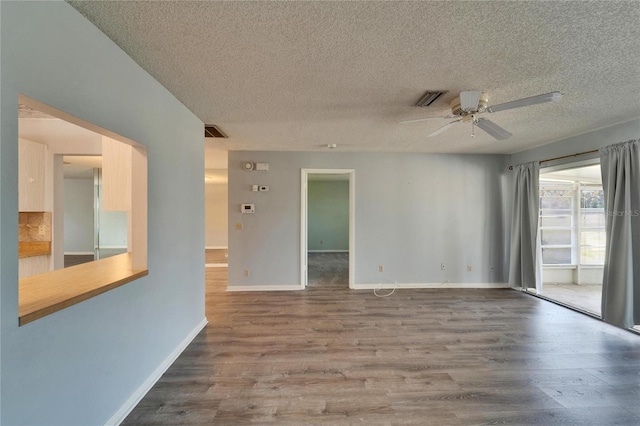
(216, 256)
(334, 356)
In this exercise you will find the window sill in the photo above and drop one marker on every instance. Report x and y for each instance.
(44, 294)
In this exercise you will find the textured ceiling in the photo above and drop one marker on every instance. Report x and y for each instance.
(300, 75)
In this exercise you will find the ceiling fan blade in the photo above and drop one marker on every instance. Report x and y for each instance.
(533, 100)
(428, 118)
(493, 129)
(469, 100)
(443, 128)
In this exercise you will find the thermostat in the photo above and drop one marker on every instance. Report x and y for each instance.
(248, 208)
(247, 166)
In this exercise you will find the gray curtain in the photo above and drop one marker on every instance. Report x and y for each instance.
(620, 165)
(524, 258)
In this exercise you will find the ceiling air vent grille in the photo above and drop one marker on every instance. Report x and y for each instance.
(213, 131)
(429, 98)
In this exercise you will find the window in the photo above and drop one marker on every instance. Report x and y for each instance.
(572, 217)
(592, 222)
(557, 222)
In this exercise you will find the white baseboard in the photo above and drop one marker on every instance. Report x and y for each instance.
(216, 247)
(263, 288)
(146, 386)
(112, 247)
(372, 286)
(428, 285)
(78, 253)
(216, 265)
(328, 251)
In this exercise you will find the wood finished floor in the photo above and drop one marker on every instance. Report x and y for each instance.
(216, 256)
(333, 356)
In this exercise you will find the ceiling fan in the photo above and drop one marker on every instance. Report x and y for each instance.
(469, 104)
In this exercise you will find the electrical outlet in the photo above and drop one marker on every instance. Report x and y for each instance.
(442, 266)
(469, 268)
(321, 242)
(41, 230)
(246, 272)
(238, 226)
(381, 268)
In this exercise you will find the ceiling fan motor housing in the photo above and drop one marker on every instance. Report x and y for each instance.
(456, 108)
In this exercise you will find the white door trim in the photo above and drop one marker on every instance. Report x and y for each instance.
(304, 177)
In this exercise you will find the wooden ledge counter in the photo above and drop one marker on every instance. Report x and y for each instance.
(44, 294)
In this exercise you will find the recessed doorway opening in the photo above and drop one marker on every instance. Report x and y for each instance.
(327, 227)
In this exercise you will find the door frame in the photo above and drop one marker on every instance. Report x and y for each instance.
(304, 178)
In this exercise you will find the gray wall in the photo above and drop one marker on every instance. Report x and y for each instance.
(78, 215)
(80, 365)
(113, 229)
(413, 211)
(328, 215)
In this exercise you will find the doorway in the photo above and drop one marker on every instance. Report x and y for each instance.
(572, 235)
(328, 233)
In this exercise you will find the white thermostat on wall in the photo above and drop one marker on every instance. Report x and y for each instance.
(247, 208)
(247, 166)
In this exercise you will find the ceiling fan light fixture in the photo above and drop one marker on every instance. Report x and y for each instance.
(469, 100)
(533, 100)
(477, 104)
(493, 129)
(429, 97)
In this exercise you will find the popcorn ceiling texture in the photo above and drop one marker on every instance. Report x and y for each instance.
(300, 75)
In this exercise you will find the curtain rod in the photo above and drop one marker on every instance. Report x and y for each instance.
(566, 156)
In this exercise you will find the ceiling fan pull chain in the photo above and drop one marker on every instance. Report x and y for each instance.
(473, 129)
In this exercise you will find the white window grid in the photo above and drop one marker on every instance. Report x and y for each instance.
(559, 213)
(575, 224)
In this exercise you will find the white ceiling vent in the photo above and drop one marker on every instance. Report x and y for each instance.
(429, 98)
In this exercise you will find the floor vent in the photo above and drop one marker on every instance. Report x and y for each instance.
(429, 98)
(213, 131)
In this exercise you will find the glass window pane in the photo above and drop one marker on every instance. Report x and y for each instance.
(556, 256)
(592, 247)
(555, 212)
(592, 218)
(556, 221)
(555, 203)
(553, 237)
(592, 199)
